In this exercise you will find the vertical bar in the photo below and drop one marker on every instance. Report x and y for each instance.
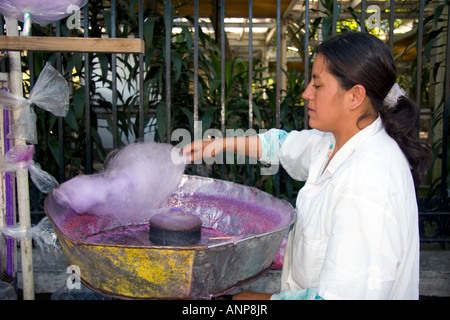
(222, 64)
(278, 73)
(87, 107)
(278, 89)
(141, 73)
(222, 78)
(10, 220)
(250, 81)
(250, 64)
(444, 195)
(391, 26)
(114, 78)
(196, 36)
(419, 52)
(168, 23)
(62, 175)
(306, 62)
(335, 17)
(363, 16)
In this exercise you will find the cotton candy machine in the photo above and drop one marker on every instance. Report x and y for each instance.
(242, 230)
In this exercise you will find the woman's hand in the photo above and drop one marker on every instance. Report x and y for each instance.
(203, 149)
(196, 150)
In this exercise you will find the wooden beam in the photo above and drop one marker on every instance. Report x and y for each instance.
(72, 44)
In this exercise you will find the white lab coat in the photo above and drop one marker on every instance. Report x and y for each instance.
(356, 234)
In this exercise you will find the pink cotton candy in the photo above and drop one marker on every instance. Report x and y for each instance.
(136, 181)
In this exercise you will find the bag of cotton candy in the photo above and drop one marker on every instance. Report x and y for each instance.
(135, 182)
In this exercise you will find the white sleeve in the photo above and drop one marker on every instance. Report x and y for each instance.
(271, 142)
(295, 150)
(300, 149)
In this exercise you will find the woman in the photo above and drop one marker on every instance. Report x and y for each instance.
(356, 233)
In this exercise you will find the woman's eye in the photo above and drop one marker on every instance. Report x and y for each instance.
(316, 86)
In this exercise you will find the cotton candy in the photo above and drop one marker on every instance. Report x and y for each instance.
(136, 182)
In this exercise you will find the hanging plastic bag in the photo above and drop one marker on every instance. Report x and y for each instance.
(45, 240)
(20, 157)
(51, 93)
(41, 11)
(41, 179)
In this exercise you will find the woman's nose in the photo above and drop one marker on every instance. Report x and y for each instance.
(307, 94)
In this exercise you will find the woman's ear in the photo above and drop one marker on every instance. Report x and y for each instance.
(356, 97)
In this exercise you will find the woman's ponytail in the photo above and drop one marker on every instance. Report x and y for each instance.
(401, 123)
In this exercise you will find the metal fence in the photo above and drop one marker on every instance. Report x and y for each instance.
(430, 24)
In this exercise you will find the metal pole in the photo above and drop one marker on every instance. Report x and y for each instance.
(222, 64)
(278, 72)
(62, 174)
(419, 52)
(363, 16)
(250, 64)
(168, 25)
(445, 119)
(391, 26)
(306, 62)
(196, 36)
(141, 73)
(87, 106)
(335, 17)
(278, 88)
(250, 82)
(114, 78)
(222, 79)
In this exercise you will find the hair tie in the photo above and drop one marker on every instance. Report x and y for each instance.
(394, 94)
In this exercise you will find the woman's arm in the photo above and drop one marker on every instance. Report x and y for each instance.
(200, 149)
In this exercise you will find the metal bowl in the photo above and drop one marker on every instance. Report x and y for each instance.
(243, 228)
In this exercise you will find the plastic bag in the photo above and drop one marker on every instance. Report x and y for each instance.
(17, 232)
(45, 240)
(51, 93)
(41, 11)
(20, 157)
(47, 244)
(7, 291)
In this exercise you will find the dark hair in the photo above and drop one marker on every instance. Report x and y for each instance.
(361, 58)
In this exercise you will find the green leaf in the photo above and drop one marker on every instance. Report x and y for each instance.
(188, 36)
(176, 61)
(257, 112)
(104, 63)
(207, 118)
(149, 28)
(71, 119)
(78, 103)
(438, 11)
(189, 115)
(161, 119)
(98, 141)
(77, 61)
(53, 145)
(213, 86)
(52, 121)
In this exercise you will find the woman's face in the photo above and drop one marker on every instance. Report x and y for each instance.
(324, 94)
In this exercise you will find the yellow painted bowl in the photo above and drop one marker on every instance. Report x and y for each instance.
(242, 230)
